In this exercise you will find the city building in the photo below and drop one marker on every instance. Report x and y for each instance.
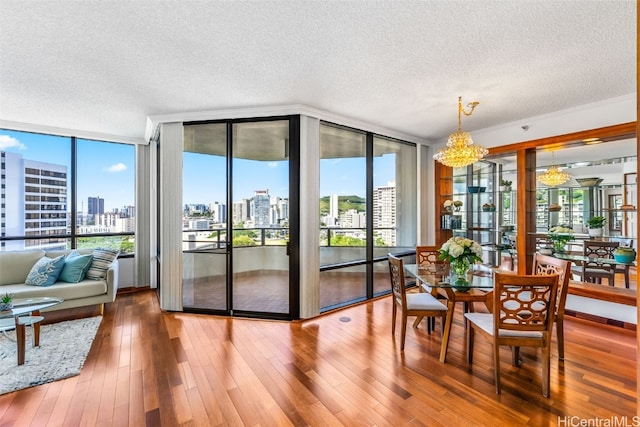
(384, 213)
(261, 209)
(95, 206)
(34, 201)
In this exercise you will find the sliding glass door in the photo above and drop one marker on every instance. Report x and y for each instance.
(238, 217)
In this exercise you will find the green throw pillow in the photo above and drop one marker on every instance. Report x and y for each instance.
(102, 259)
(45, 271)
(75, 267)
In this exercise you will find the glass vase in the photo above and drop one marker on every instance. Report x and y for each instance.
(459, 274)
(558, 247)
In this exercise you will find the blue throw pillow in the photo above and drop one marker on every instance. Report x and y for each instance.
(45, 271)
(75, 267)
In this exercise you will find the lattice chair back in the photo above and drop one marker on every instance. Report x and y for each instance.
(524, 303)
(427, 255)
(396, 272)
(545, 265)
(598, 249)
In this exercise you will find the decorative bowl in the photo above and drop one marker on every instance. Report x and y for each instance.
(555, 207)
(476, 189)
(588, 182)
(624, 255)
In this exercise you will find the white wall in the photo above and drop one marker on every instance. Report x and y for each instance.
(125, 272)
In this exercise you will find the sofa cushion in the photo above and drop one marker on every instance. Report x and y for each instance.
(75, 267)
(45, 271)
(102, 259)
(66, 291)
(15, 265)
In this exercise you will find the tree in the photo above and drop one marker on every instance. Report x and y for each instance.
(346, 241)
(243, 240)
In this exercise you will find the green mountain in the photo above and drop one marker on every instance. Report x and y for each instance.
(344, 204)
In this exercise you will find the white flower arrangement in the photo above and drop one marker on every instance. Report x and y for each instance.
(460, 247)
(448, 203)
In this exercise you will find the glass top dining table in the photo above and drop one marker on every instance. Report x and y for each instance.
(438, 276)
(435, 278)
(604, 262)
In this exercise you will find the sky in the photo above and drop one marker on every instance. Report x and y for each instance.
(107, 170)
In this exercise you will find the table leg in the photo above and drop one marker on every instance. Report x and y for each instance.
(36, 329)
(20, 338)
(626, 276)
(451, 305)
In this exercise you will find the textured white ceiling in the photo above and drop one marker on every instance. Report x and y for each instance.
(105, 66)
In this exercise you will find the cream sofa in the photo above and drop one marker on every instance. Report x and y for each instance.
(15, 266)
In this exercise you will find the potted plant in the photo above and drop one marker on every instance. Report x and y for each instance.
(6, 302)
(489, 207)
(595, 225)
(559, 236)
(505, 185)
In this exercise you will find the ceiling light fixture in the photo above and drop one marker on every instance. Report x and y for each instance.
(553, 176)
(460, 150)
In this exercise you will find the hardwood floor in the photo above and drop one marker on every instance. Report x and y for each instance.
(149, 368)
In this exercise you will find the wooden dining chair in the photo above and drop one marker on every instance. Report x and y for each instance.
(594, 272)
(410, 304)
(427, 257)
(548, 265)
(523, 313)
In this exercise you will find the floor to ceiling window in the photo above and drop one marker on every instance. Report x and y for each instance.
(367, 209)
(49, 201)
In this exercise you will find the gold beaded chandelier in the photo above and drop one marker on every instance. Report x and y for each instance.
(460, 150)
(553, 176)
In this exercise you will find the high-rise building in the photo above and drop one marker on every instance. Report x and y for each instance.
(33, 196)
(95, 206)
(283, 208)
(333, 208)
(384, 213)
(260, 208)
(241, 211)
(218, 212)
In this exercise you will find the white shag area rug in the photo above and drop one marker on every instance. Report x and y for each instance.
(63, 349)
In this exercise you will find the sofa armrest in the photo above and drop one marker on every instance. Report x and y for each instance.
(112, 280)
